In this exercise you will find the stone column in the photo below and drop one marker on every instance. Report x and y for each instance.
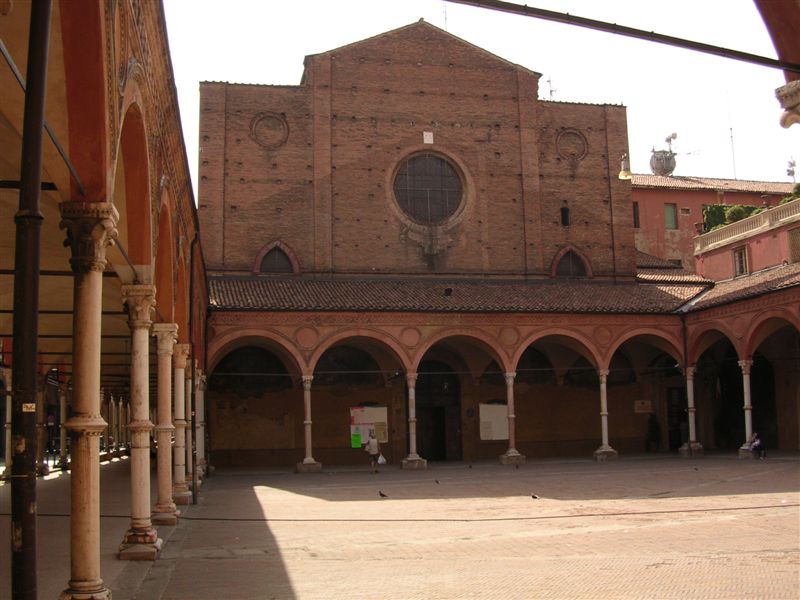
(511, 456)
(605, 451)
(141, 542)
(9, 410)
(744, 450)
(200, 421)
(180, 491)
(165, 512)
(309, 465)
(112, 426)
(189, 436)
(123, 423)
(91, 227)
(413, 460)
(691, 447)
(62, 436)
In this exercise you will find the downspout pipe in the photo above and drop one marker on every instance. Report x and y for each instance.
(27, 260)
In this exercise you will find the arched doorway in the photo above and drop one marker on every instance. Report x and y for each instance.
(438, 398)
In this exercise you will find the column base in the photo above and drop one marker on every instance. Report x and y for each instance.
(745, 452)
(97, 594)
(512, 458)
(690, 449)
(165, 516)
(182, 498)
(414, 463)
(604, 453)
(308, 467)
(140, 551)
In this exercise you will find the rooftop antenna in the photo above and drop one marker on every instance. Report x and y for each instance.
(730, 126)
(790, 168)
(552, 90)
(444, 6)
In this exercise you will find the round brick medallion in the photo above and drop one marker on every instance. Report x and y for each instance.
(306, 337)
(269, 129)
(571, 144)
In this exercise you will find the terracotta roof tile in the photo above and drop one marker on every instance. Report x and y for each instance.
(709, 183)
(740, 288)
(653, 262)
(671, 276)
(425, 295)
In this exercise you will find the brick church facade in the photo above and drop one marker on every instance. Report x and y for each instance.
(412, 234)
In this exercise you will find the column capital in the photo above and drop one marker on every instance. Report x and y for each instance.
(140, 300)
(745, 366)
(411, 379)
(689, 372)
(166, 335)
(181, 355)
(91, 227)
(603, 373)
(307, 379)
(789, 97)
(509, 377)
(202, 381)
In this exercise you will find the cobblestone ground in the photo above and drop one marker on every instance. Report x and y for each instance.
(663, 528)
(715, 527)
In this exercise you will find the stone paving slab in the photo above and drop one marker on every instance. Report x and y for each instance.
(640, 527)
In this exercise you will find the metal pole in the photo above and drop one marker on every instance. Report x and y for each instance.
(26, 306)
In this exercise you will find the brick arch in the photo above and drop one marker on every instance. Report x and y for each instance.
(575, 250)
(767, 323)
(701, 339)
(164, 276)
(223, 345)
(285, 248)
(182, 303)
(135, 205)
(655, 337)
(576, 342)
(375, 335)
(488, 343)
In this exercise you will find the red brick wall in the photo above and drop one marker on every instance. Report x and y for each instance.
(327, 192)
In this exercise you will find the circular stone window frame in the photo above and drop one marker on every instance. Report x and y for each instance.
(263, 116)
(420, 231)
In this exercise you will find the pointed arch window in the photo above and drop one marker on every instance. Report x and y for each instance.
(276, 261)
(571, 265)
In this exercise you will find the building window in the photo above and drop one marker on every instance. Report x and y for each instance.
(564, 216)
(428, 188)
(794, 245)
(636, 215)
(670, 216)
(571, 265)
(276, 261)
(740, 262)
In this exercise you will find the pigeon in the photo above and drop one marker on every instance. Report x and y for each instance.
(696, 469)
(534, 496)
(436, 480)
(470, 466)
(382, 495)
(516, 466)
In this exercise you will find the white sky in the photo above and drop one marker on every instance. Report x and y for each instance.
(665, 89)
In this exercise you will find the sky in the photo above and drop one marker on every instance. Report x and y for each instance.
(724, 112)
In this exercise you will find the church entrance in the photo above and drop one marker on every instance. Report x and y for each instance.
(438, 400)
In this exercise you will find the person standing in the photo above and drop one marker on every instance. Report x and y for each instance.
(373, 448)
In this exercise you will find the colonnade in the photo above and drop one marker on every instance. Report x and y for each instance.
(691, 447)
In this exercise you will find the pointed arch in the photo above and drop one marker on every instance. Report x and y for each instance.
(165, 261)
(570, 261)
(272, 247)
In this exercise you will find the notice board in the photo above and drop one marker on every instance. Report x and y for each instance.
(494, 421)
(364, 419)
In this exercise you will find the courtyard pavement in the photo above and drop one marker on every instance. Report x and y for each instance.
(653, 526)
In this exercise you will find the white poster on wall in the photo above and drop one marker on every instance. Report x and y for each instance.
(364, 419)
(494, 421)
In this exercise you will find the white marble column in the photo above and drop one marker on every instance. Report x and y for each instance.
(41, 433)
(165, 512)
(744, 450)
(309, 465)
(62, 436)
(111, 444)
(605, 451)
(91, 227)
(180, 491)
(200, 422)
(141, 542)
(691, 447)
(512, 455)
(413, 460)
(123, 423)
(189, 431)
